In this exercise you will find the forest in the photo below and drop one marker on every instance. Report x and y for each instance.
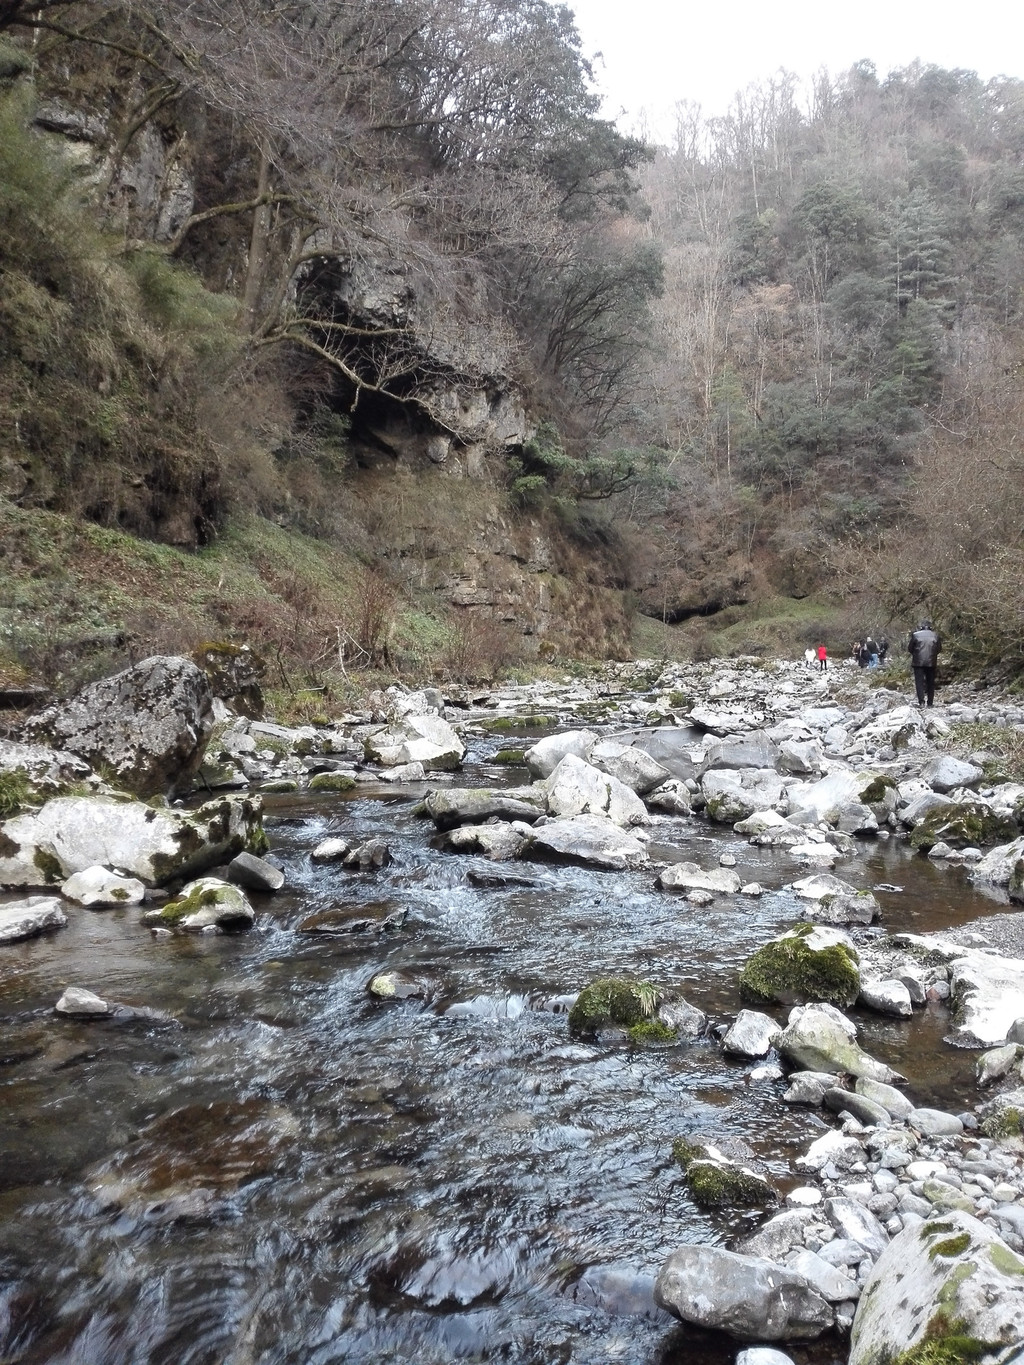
(305, 266)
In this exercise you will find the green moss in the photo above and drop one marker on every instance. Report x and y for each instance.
(258, 843)
(952, 1246)
(48, 866)
(1004, 1260)
(1003, 1123)
(876, 789)
(196, 900)
(613, 1000)
(684, 1152)
(680, 701)
(787, 971)
(712, 1184)
(963, 826)
(509, 756)
(118, 893)
(332, 782)
(944, 1343)
(651, 1032)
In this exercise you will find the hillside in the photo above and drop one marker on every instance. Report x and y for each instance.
(356, 333)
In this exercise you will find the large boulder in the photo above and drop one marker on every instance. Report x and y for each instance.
(544, 757)
(746, 1297)
(426, 739)
(631, 766)
(987, 995)
(234, 673)
(754, 750)
(819, 1038)
(578, 788)
(809, 962)
(72, 833)
(678, 748)
(946, 1290)
(43, 771)
(145, 729)
(945, 773)
(590, 839)
(826, 799)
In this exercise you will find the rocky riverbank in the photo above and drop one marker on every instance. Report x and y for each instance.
(809, 768)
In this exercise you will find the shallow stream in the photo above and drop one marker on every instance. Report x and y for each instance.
(293, 1172)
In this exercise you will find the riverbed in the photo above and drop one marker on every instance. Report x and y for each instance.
(288, 1170)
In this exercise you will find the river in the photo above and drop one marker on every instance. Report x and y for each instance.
(294, 1172)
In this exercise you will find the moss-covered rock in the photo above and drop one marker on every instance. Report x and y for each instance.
(511, 757)
(332, 782)
(720, 1173)
(971, 825)
(205, 903)
(810, 963)
(874, 792)
(614, 1000)
(652, 1033)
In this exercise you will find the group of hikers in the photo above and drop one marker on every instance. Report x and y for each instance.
(923, 647)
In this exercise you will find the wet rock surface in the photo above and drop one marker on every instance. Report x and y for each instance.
(383, 1074)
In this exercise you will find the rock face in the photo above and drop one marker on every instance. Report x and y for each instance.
(146, 727)
(749, 1298)
(951, 1282)
(72, 833)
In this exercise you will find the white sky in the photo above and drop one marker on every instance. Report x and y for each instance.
(655, 52)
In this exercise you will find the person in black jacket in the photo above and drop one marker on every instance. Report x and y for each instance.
(923, 647)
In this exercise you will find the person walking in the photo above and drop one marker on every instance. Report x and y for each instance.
(822, 659)
(923, 648)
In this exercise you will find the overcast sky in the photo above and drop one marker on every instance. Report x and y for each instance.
(656, 52)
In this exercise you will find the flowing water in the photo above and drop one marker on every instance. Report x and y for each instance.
(290, 1171)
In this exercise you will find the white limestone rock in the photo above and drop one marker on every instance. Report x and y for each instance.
(820, 1038)
(79, 1003)
(71, 833)
(951, 1268)
(27, 918)
(632, 767)
(590, 839)
(751, 1034)
(544, 757)
(748, 1298)
(425, 739)
(100, 888)
(578, 788)
(689, 876)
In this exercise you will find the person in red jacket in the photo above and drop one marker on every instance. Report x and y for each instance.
(822, 659)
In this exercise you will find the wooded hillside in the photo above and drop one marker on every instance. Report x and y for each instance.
(378, 272)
